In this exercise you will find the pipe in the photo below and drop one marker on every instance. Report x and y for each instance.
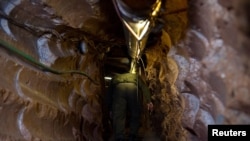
(137, 25)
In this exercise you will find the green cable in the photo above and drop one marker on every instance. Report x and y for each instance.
(40, 65)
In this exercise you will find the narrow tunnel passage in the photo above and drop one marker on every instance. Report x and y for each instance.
(191, 63)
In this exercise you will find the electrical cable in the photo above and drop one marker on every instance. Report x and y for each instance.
(39, 65)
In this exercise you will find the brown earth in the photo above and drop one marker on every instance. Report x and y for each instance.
(54, 56)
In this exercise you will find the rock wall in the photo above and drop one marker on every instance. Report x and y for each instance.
(47, 92)
(197, 68)
(213, 68)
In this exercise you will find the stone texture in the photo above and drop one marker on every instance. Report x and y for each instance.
(219, 80)
(198, 70)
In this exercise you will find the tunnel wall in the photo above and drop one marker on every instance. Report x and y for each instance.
(40, 98)
(213, 68)
(198, 71)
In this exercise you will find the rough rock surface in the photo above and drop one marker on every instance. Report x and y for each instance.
(197, 68)
(213, 67)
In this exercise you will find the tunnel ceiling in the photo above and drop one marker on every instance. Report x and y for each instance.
(55, 54)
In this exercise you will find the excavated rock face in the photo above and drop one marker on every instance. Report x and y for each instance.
(38, 103)
(213, 67)
(55, 54)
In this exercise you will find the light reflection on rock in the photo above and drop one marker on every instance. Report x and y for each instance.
(192, 105)
(6, 28)
(46, 56)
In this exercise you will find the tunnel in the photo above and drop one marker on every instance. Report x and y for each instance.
(56, 56)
